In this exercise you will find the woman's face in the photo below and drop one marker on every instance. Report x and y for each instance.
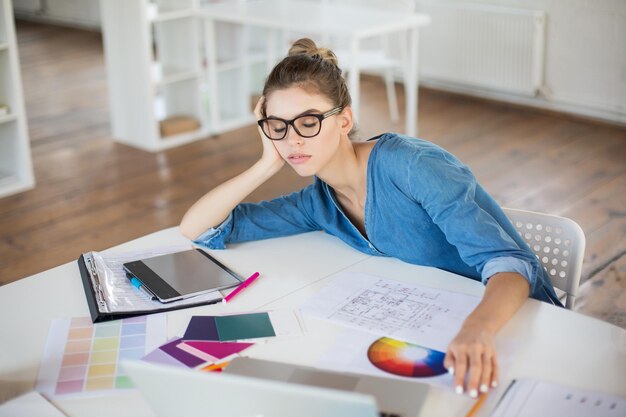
(307, 156)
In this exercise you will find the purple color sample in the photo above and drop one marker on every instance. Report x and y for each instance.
(158, 356)
(201, 328)
(180, 355)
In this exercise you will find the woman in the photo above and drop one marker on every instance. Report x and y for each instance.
(390, 196)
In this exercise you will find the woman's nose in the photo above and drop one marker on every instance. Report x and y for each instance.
(293, 136)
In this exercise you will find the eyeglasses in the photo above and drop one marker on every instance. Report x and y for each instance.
(306, 125)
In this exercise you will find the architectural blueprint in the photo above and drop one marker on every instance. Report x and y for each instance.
(405, 311)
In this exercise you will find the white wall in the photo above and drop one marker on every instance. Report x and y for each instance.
(585, 59)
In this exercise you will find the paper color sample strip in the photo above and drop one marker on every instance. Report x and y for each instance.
(180, 355)
(190, 354)
(229, 328)
(242, 326)
(81, 357)
(212, 351)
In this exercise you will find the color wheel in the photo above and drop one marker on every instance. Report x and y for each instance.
(405, 359)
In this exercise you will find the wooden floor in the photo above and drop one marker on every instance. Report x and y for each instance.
(93, 193)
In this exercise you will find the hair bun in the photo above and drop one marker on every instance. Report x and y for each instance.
(306, 46)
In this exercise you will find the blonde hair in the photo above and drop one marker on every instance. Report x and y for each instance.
(313, 69)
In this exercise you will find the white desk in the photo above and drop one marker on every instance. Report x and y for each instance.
(353, 23)
(549, 342)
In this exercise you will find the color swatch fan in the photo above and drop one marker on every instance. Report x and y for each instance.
(405, 359)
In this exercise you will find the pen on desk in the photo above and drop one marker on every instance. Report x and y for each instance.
(479, 402)
(241, 287)
(137, 284)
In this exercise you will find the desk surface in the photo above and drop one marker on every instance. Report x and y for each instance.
(312, 17)
(546, 342)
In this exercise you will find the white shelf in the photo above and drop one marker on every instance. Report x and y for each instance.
(10, 184)
(169, 75)
(11, 117)
(165, 15)
(252, 59)
(157, 68)
(16, 171)
(7, 179)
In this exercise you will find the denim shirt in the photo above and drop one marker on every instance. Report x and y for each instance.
(423, 206)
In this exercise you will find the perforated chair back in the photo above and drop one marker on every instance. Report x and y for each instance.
(559, 244)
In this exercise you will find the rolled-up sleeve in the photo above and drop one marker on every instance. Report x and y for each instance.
(283, 216)
(507, 264)
(214, 237)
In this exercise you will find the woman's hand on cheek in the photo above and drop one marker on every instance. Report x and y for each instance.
(471, 358)
(270, 153)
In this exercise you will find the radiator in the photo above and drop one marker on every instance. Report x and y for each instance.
(483, 46)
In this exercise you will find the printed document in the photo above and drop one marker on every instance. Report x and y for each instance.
(412, 313)
(534, 398)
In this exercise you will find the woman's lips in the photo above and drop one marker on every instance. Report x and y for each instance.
(298, 158)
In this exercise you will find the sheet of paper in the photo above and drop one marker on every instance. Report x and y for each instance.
(82, 358)
(360, 352)
(121, 296)
(31, 404)
(534, 398)
(416, 314)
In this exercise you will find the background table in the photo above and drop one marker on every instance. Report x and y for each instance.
(350, 22)
(547, 342)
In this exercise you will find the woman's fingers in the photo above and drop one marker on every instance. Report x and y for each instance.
(258, 108)
(476, 369)
(495, 373)
(487, 373)
(448, 362)
(460, 368)
(473, 364)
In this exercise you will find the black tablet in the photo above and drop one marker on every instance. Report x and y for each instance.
(181, 275)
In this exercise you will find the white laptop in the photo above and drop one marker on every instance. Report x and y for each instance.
(285, 391)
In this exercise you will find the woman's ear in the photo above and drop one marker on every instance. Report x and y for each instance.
(346, 120)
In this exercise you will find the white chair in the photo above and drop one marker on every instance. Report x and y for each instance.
(558, 243)
(383, 54)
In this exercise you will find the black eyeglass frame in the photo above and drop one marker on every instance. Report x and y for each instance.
(319, 117)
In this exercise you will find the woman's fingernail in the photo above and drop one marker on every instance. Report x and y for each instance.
(451, 370)
(473, 393)
(483, 388)
(494, 384)
(459, 389)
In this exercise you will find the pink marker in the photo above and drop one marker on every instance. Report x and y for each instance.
(241, 287)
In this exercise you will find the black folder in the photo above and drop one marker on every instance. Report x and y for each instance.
(93, 299)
